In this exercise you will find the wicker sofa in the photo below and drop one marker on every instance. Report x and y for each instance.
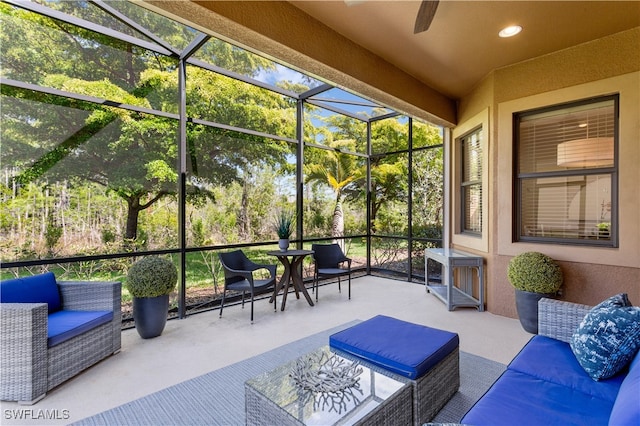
(545, 383)
(53, 330)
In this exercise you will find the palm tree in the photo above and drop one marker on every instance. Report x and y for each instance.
(338, 171)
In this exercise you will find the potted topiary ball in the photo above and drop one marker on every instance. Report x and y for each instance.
(150, 281)
(534, 275)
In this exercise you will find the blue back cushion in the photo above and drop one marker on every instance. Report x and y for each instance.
(404, 348)
(35, 289)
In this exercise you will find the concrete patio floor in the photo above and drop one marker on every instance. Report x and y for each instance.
(205, 342)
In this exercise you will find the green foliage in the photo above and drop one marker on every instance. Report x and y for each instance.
(197, 232)
(535, 272)
(426, 134)
(391, 220)
(108, 236)
(428, 186)
(133, 155)
(152, 276)
(389, 135)
(52, 235)
(110, 172)
(283, 224)
(431, 230)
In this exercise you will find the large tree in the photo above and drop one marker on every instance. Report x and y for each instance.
(131, 154)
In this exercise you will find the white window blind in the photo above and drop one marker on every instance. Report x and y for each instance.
(565, 172)
(471, 181)
(568, 138)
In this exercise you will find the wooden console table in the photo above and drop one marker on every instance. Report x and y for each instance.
(462, 295)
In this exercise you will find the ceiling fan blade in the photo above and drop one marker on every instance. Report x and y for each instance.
(425, 15)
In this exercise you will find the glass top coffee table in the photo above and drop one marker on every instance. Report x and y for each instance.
(323, 388)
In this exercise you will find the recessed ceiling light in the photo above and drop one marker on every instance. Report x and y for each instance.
(510, 31)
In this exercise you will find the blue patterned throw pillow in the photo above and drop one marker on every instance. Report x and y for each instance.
(608, 337)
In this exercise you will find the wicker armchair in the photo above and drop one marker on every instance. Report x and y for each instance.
(559, 319)
(29, 367)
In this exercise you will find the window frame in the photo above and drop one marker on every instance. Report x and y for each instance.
(612, 171)
(463, 184)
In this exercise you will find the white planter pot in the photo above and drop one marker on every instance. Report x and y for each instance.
(283, 243)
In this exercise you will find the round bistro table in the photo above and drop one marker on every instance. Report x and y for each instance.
(292, 261)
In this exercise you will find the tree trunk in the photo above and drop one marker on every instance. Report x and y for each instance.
(374, 213)
(243, 216)
(337, 225)
(133, 211)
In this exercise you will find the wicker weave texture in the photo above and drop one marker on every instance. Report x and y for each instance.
(75, 355)
(23, 351)
(29, 368)
(559, 319)
(430, 392)
(433, 390)
(99, 296)
(261, 411)
(394, 411)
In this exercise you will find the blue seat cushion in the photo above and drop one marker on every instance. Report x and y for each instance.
(40, 288)
(520, 399)
(626, 408)
(554, 361)
(65, 325)
(404, 348)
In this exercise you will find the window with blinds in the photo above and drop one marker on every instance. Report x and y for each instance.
(566, 175)
(471, 181)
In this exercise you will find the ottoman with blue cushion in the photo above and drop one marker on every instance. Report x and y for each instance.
(425, 356)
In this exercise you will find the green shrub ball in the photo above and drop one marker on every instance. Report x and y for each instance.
(535, 272)
(152, 276)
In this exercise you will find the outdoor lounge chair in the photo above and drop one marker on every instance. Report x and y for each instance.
(327, 259)
(53, 330)
(238, 276)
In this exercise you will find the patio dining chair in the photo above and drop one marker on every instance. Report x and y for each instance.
(328, 259)
(239, 276)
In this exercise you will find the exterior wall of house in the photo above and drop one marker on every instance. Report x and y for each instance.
(605, 66)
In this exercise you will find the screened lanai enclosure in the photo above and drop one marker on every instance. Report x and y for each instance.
(125, 134)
